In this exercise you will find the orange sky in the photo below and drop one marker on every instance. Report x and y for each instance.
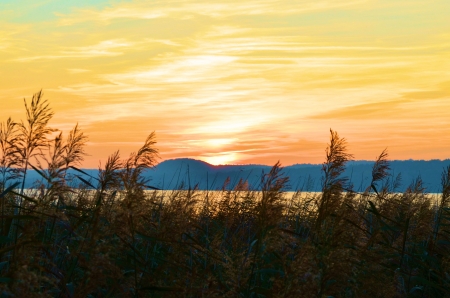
(235, 81)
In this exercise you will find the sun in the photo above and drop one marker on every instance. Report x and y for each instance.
(221, 158)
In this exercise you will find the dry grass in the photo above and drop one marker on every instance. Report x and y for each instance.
(106, 236)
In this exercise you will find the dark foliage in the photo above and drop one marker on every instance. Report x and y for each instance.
(108, 236)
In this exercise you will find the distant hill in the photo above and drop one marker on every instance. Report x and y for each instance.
(185, 173)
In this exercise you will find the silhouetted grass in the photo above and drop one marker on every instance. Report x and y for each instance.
(109, 236)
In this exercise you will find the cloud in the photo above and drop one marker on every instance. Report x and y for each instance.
(185, 9)
(375, 110)
(408, 105)
(228, 84)
(187, 69)
(103, 48)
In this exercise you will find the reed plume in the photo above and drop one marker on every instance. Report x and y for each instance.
(9, 158)
(34, 131)
(333, 183)
(74, 149)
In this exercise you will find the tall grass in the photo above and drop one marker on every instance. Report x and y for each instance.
(76, 235)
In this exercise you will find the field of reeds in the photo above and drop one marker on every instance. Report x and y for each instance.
(113, 236)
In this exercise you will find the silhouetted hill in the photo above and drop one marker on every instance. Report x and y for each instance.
(185, 173)
(172, 174)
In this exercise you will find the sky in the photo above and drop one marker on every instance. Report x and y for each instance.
(235, 82)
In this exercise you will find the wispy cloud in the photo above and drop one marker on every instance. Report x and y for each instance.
(104, 48)
(187, 9)
(188, 69)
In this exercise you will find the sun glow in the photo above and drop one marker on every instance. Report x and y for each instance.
(220, 158)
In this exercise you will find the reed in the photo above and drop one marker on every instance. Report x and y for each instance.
(114, 235)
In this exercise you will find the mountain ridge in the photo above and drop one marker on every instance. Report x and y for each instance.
(190, 173)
